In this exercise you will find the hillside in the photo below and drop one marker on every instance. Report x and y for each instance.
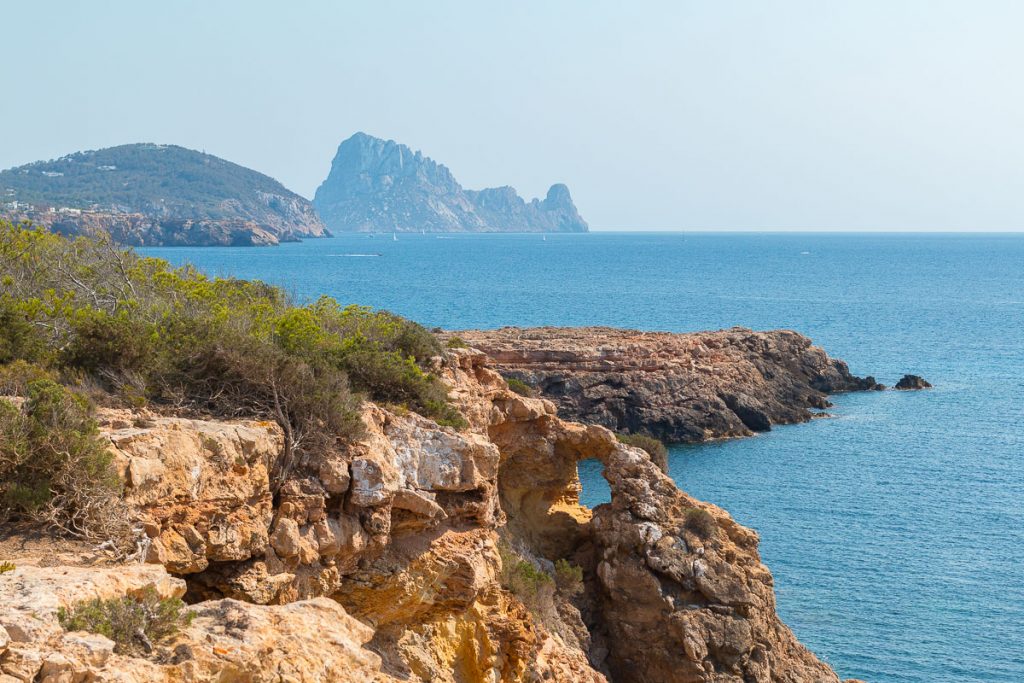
(381, 185)
(147, 194)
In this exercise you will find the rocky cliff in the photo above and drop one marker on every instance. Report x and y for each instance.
(386, 558)
(677, 387)
(146, 194)
(381, 186)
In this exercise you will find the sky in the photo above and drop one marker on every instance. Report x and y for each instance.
(675, 115)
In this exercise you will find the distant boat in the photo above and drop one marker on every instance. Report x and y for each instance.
(544, 238)
(394, 237)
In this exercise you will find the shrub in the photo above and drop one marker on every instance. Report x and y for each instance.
(701, 522)
(534, 588)
(7, 567)
(17, 375)
(141, 331)
(568, 578)
(456, 342)
(520, 387)
(54, 467)
(135, 624)
(654, 448)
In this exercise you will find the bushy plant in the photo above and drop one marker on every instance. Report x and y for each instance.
(7, 567)
(701, 522)
(54, 467)
(142, 331)
(520, 387)
(456, 342)
(568, 578)
(654, 448)
(534, 587)
(135, 624)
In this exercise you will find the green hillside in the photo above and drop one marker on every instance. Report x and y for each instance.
(163, 180)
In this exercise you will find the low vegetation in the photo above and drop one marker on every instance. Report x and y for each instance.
(520, 387)
(54, 467)
(456, 342)
(568, 578)
(135, 624)
(126, 330)
(701, 522)
(7, 567)
(537, 588)
(655, 448)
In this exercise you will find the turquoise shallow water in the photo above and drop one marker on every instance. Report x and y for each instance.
(896, 530)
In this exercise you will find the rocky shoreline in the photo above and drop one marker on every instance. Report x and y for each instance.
(686, 387)
(382, 560)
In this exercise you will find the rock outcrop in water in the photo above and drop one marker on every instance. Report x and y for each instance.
(911, 383)
(380, 561)
(381, 186)
(678, 387)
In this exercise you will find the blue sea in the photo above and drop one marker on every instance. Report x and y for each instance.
(896, 530)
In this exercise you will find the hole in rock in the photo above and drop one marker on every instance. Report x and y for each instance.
(595, 488)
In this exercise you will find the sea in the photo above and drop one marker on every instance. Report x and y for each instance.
(895, 530)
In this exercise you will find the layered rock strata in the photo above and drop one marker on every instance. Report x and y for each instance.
(677, 387)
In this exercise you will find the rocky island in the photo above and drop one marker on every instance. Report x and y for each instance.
(157, 195)
(247, 490)
(380, 185)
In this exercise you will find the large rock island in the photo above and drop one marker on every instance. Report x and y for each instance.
(678, 387)
(381, 186)
(152, 195)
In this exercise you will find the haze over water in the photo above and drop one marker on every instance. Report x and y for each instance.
(895, 531)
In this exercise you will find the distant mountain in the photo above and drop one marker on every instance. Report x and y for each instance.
(146, 194)
(380, 185)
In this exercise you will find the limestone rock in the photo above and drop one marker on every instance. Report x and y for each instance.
(677, 387)
(381, 186)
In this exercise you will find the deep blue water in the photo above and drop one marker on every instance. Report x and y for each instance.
(895, 531)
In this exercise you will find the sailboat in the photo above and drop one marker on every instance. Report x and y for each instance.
(394, 237)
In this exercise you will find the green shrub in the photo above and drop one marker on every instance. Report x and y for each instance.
(520, 387)
(54, 467)
(568, 578)
(142, 331)
(17, 375)
(135, 624)
(654, 448)
(456, 342)
(701, 522)
(534, 588)
(7, 567)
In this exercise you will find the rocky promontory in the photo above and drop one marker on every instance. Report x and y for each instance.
(678, 387)
(389, 558)
(380, 185)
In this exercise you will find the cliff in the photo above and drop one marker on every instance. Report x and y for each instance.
(678, 387)
(146, 194)
(379, 185)
(388, 558)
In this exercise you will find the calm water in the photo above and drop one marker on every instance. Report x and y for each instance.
(895, 531)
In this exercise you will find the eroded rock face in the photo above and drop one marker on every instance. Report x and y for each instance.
(310, 641)
(381, 557)
(681, 590)
(677, 387)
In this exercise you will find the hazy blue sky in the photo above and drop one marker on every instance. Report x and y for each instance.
(781, 114)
